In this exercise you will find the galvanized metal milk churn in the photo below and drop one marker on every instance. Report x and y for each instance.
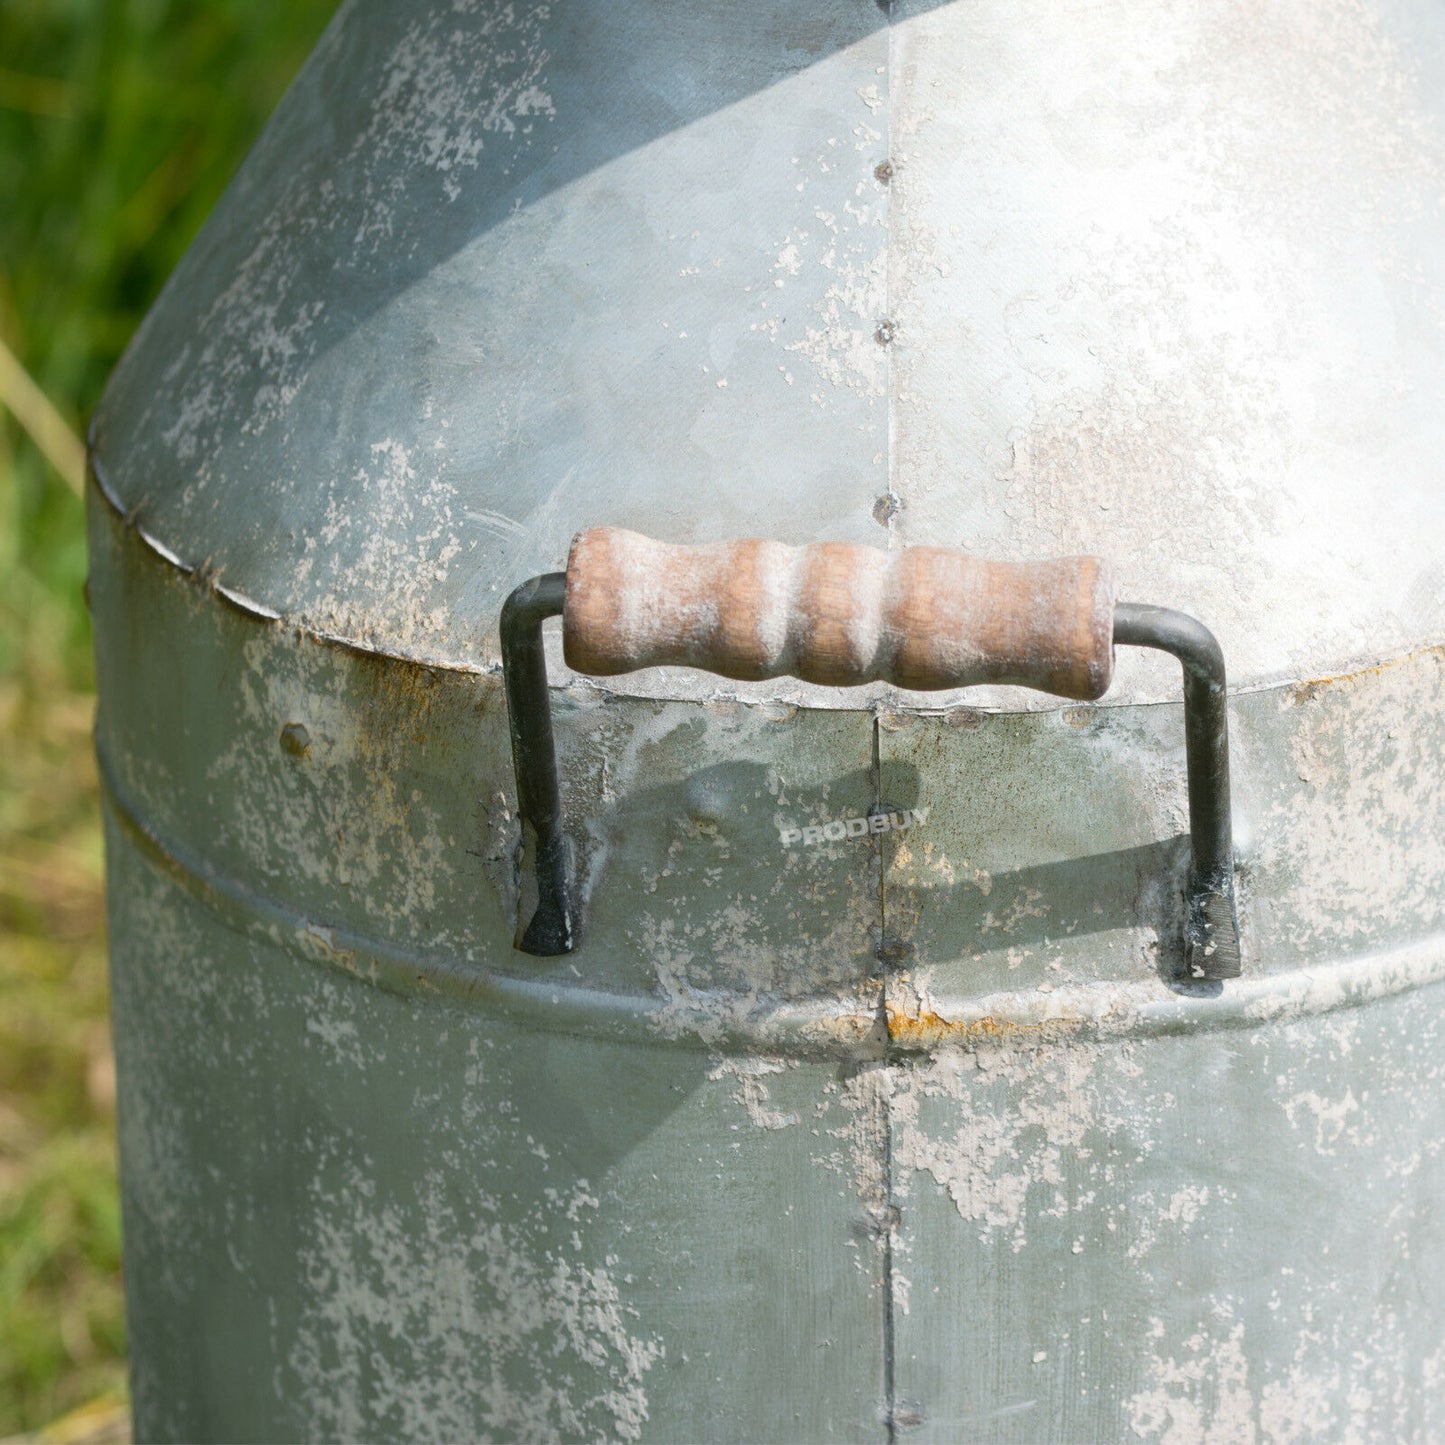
(817, 990)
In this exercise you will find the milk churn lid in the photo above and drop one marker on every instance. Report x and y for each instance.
(494, 274)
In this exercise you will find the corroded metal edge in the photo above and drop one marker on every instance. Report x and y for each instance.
(212, 581)
(849, 1028)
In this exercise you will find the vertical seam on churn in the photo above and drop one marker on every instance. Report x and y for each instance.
(890, 320)
(886, 1094)
(885, 1107)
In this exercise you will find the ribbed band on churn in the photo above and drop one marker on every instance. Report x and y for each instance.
(838, 613)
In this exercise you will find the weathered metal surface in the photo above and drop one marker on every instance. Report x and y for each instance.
(1227, 1237)
(1166, 288)
(473, 240)
(1055, 851)
(1002, 976)
(364, 1216)
(493, 274)
(903, 1132)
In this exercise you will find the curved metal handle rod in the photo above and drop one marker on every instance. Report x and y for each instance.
(1212, 930)
(553, 928)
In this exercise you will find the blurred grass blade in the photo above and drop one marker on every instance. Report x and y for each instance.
(45, 426)
(37, 94)
(121, 122)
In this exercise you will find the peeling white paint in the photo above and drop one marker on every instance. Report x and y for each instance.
(750, 1074)
(388, 1286)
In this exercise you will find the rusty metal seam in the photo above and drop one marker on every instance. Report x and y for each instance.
(129, 518)
(832, 1028)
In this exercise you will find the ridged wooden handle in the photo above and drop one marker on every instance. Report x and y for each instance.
(837, 613)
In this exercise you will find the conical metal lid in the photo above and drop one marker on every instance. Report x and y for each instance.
(1161, 284)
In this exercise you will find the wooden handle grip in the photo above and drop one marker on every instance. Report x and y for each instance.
(837, 613)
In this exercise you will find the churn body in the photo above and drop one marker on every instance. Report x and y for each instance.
(907, 1135)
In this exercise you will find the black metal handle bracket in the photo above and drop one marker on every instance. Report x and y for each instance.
(1211, 930)
(553, 928)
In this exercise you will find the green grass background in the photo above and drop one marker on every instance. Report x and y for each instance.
(121, 122)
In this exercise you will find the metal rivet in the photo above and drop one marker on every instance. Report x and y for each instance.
(295, 740)
(894, 952)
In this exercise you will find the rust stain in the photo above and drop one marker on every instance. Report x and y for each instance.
(1308, 689)
(925, 1029)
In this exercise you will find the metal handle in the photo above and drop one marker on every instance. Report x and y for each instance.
(837, 613)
